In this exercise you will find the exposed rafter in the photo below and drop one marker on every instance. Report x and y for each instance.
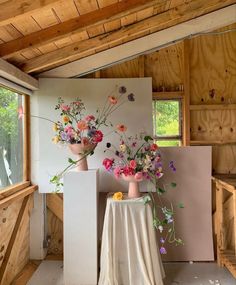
(210, 21)
(159, 22)
(13, 9)
(75, 25)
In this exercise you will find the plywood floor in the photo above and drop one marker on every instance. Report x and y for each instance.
(51, 273)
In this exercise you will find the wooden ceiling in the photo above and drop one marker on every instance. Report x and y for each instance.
(39, 35)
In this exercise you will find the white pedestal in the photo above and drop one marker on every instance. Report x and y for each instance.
(80, 228)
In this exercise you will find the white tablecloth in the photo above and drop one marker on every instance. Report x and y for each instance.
(129, 253)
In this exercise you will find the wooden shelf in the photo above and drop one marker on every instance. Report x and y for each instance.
(213, 107)
(168, 95)
(211, 142)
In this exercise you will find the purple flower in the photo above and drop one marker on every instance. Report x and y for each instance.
(117, 153)
(108, 145)
(163, 250)
(64, 136)
(131, 97)
(122, 90)
(91, 132)
(170, 220)
(162, 240)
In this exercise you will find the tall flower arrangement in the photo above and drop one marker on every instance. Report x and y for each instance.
(140, 157)
(77, 127)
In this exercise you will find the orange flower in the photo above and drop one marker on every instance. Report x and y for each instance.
(122, 128)
(112, 100)
(65, 119)
(118, 196)
(82, 125)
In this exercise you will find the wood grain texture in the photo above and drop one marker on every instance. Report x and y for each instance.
(165, 67)
(55, 232)
(17, 252)
(212, 65)
(159, 22)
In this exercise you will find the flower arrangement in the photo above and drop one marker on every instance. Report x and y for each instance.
(140, 157)
(76, 127)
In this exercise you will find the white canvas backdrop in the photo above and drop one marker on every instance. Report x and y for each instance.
(48, 158)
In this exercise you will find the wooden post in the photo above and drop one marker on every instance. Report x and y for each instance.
(219, 216)
(186, 101)
(26, 161)
(234, 203)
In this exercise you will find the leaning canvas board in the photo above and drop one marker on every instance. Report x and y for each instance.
(193, 189)
(48, 158)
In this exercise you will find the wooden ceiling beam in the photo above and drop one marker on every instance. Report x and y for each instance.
(13, 9)
(76, 25)
(159, 22)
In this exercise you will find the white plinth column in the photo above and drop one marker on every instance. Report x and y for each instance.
(80, 228)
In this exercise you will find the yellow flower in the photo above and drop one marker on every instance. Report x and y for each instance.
(65, 119)
(118, 196)
(55, 127)
(123, 147)
(55, 139)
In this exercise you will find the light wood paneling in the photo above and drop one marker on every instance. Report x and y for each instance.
(165, 67)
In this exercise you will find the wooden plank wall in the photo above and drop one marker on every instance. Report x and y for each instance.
(212, 77)
(14, 238)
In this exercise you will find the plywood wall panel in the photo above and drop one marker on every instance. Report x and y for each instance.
(128, 69)
(224, 159)
(55, 231)
(217, 125)
(165, 67)
(213, 66)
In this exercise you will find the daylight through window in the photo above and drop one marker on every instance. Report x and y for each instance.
(11, 138)
(167, 122)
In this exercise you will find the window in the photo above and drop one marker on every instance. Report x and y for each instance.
(11, 138)
(167, 122)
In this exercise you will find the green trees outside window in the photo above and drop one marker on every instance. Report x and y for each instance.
(11, 138)
(167, 122)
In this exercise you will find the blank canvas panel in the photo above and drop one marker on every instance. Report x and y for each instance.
(194, 222)
(48, 158)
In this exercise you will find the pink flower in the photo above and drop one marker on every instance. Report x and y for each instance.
(98, 136)
(107, 163)
(20, 112)
(117, 172)
(89, 118)
(113, 100)
(82, 125)
(138, 176)
(65, 108)
(68, 129)
(132, 164)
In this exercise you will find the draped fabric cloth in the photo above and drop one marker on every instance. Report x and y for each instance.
(129, 253)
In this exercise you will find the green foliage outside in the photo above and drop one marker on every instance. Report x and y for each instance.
(166, 121)
(10, 138)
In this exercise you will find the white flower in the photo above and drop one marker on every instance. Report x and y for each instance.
(160, 228)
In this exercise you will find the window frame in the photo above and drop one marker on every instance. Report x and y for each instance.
(157, 96)
(12, 189)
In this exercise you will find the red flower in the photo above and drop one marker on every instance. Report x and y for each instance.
(107, 163)
(121, 128)
(128, 171)
(89, 118)
(98, 136)
(153, 147)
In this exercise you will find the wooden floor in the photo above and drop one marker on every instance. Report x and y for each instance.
(50, 272)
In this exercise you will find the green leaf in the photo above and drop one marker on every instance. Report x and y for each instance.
(155, 223)
(160, 190)
(148, 138)
(146, 199)
(71, 161)
(173, 184)
(181, 205)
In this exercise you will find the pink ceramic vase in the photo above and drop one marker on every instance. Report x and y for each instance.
(133, 191)
(81, 150)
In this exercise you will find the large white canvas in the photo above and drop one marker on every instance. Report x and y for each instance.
(193, 222)
(48, 158)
